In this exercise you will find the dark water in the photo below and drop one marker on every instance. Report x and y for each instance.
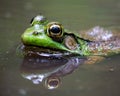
(100, 79)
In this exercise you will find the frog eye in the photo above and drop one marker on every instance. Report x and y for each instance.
(52, 82)
(39, 19)
(55, 30)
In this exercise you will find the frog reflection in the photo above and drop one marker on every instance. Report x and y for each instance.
(41, 68)
(60, 44)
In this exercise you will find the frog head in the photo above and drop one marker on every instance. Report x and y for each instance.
(50, 35)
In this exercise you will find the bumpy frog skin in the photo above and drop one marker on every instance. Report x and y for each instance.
(52, 35)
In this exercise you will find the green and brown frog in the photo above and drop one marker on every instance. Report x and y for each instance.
(52, 36)
(50, 51)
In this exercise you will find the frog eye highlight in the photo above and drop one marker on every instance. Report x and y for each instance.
(55, 30)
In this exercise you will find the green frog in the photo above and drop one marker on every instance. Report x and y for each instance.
(67, 49)
(53, 36)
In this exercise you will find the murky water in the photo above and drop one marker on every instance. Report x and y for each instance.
(100, 79)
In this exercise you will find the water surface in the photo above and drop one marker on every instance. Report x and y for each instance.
(100, 79)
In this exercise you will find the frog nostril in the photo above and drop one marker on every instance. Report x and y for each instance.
(35, 33)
